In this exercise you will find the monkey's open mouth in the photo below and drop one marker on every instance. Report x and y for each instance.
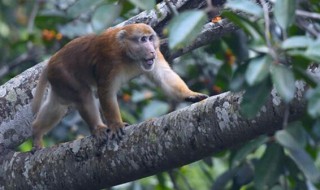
(150, 61)
(148, 64)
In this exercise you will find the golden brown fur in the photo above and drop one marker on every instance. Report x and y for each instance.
(102, 63)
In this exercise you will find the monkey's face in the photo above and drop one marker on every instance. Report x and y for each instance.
(147, 49)
(140, 44)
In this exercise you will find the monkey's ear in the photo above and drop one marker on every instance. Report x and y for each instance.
(121, 35)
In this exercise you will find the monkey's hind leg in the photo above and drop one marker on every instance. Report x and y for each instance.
(89, 110)
(48, 116)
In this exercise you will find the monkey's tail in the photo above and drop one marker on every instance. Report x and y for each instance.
(41, 87)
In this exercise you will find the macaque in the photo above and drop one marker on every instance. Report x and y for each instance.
(96, 66)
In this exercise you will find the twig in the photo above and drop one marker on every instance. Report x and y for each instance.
(267, 32)
(209, 5)
(286, 116)
(32, 17)
(32, 54)
(308, 27)
(212, 9)
(308, 14)
(172, 8)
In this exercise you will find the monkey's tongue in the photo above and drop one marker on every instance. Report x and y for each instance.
(150, 61)
(147, 64)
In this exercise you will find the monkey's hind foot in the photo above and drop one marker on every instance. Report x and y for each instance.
(37, 144)
(125, 124)
(196, 98)
(116, 134)
(35, 149)
(103, 133)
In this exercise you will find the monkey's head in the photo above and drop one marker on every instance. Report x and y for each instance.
(140, 43)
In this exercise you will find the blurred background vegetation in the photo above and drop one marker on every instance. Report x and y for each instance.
(270, 50)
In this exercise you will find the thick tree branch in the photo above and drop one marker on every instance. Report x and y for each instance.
(15, 110)
(173, 140)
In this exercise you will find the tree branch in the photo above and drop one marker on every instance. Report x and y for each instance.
(308, 14)
(159, 144)
(210, 32)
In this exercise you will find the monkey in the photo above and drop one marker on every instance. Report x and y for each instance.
(95, 66)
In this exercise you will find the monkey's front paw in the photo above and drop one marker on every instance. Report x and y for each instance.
(196, 98)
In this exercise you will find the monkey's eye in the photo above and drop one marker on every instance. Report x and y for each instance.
(151, 38)
(144, 39)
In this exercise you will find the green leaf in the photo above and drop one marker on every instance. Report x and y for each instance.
(79, 7)
(299, 155)
(284, 81)
(313, 50)
(302, 74)
(258, 69)
(284, 12)
(284, 138)
(238, 78)
(222, 180)
(240, 175)
(26, 146)
(128, 117)
(246, 6)
(294, 174)
(246, 149)
(184, 28)
(76, 28)
(316, 129)
(296, 130)
(144, 4)
(300, 61)
(309, 54)
(254, 98)
(50, 20)
(269, 167)
(313, 96)
(4, 29)
(223, 76)
(105, 15)
(259, 45)
(296, 42)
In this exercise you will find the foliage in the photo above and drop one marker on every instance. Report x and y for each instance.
(280, 55)
(274, 48)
